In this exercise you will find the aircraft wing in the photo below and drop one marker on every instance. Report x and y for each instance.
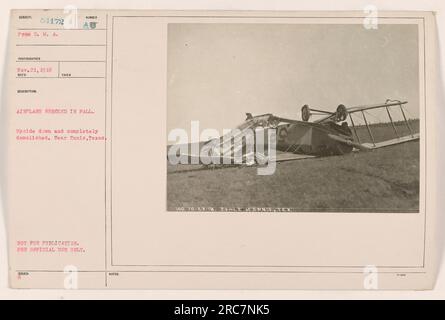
(387, 104)
(351, 110)
(391, 142)
(390, 131)
(288, 156)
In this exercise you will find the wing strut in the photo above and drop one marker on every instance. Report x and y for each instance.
(406, 121)
(353, 127)
(369, 129)
(392, 123)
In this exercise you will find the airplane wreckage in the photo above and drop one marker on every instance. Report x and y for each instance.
(334, 133)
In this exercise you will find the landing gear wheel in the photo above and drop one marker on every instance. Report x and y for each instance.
(305, 113)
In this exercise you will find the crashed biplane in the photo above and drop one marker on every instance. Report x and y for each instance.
(334, 133)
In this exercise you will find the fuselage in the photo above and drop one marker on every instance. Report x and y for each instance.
(313, 138)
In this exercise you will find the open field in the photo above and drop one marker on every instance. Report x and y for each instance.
(383, 180)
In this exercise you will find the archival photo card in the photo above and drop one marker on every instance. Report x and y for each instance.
(221, 150)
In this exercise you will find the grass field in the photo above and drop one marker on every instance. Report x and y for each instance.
(383, 180)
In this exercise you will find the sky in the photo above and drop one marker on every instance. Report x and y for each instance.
(218, 72)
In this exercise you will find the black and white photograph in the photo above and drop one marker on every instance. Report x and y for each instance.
(293, 117)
